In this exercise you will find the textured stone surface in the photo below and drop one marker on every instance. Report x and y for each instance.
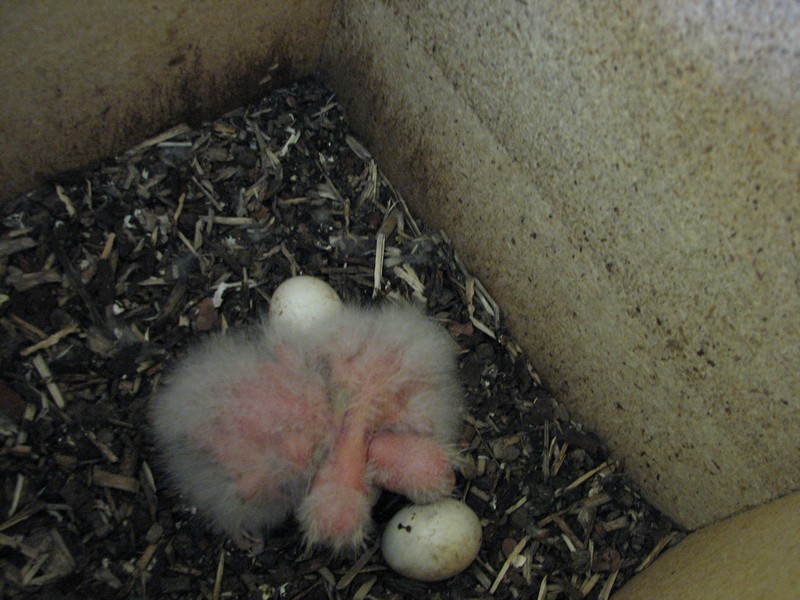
(625, 179)
(82, 81)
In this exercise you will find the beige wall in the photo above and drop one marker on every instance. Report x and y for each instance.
(625, 180)
(752, 555)
(85, 80)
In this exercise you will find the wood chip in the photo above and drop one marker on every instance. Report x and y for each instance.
(13, 245)
(145, 557)
(51, 340)
(508, 562)
(47, 376)
(351, 573)
(657, 549)
(114, 481)
(605, 593)
(16, 495)
(585, 477)
(103, 448)
(364, 589)
(22, 282)
(218, 579)
(542, 594)
(66, 201)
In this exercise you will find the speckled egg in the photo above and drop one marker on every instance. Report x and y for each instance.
(432, 542)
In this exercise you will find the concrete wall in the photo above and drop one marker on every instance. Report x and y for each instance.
(85, 80)
(624, 177)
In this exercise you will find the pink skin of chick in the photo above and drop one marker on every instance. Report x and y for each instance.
(392, 372)
(251, 429)
(242, 426)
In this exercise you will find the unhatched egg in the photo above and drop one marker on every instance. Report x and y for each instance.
(431, 542)
(303, 302)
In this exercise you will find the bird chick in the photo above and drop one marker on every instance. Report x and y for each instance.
(393, 373)
(256, 426)
(240, 426)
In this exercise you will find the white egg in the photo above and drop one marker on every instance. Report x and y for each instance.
(303, 302)
(431, 542)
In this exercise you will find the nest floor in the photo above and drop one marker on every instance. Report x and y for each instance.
(107, 275)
